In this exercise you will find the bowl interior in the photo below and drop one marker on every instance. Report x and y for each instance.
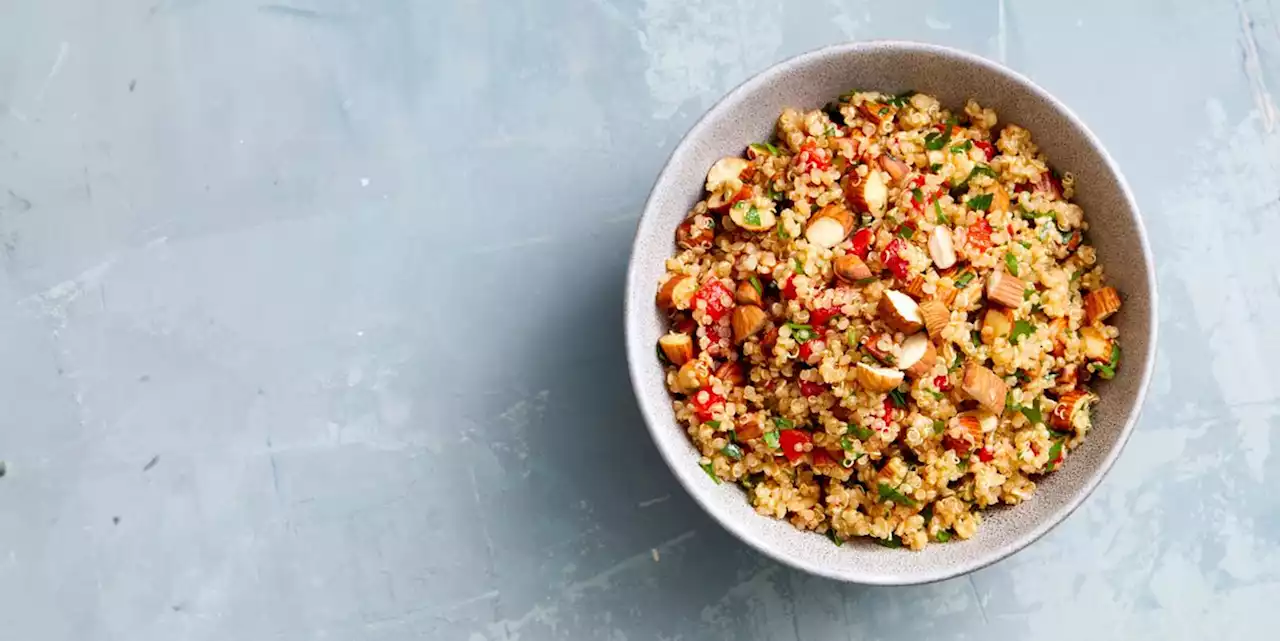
(748, 114)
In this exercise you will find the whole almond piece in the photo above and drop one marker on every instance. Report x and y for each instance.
(918, 355)
(731, 372)
(850, 269)
(941, 247)
(1100, 304)
(693, 376)
(725, 174)
(677, 347)
(753, 216)
(746, 294)
(747, 320)
(900, 312)
(1072, 411)
(1004, 288)
(1096, 345)
(830, 226)
(877, 112)
(868, 193)
(677, 292)
(914, 287)
(896, 168)
(996, 322)
(878, 379)
(982, 385)
(936, 316)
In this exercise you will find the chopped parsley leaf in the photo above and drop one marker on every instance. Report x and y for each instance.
(752, 217)
(935, 167)
(899, 399)
(917, 195)
(941, 218)
(835, 538)
(978, 170)
(866, 281)
(706, 467)
(1011, 263)
(1020, 328)
(766, 147)
(851, 337)
(732, 451)
(800, 266)
(963, 279)
(939, 425)
(1054, 453)
(980, 203)
(962, 147)
(937, 140)
(755, 284)
(942, 536)
(955, 365)
(1033, 413)
(771, 439)
(888, 493)
(891, 542)
(802, 333)
(906, 231)
(715, 425)
(937, 395)
(782, 423)
(863, 433)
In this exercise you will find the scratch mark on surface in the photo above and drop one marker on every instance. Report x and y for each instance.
(981, 607)
(64, 48)
(296, 12)
(1002, 34)
(491, 557)
(275, 474)
(574, 590)
(1253, 70)
(18, 202)
(133, 84)
(654, 501)
(527, 242)
(152, 463)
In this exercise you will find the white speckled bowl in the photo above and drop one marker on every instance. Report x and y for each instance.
(809, 81)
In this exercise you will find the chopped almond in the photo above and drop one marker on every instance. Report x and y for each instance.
(731, 372)
(935, 316)
(868, 193)
(748, 428)
(915, 287)
(1058, 330)
(720, 202)
(1000, 200)
(941, 248)
(830, 226)
(753, 216)
(747, 320)
(1097, 347)
(900, 312)
(850, 269)
(1072, 411)
(677, 292)
(1100, 304)
(982, 385)
(918, 355)
(964, 434)
(1005, 288)
(725, 174)
(896, 168)
(878, 379)
(945, 293)
(997, 322)
(746, 294)
(696, 232)
(693, 376)
(877, 112)
(677, 347)
(871, 345)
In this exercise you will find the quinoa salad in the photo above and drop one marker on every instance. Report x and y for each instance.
(886, 319)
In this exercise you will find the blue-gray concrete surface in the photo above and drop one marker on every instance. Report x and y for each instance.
(310, 322)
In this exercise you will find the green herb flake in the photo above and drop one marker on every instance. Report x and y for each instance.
(1011, 263)
(1075, 275)
(800, 266)
(1025, 244)
(955, 365)
(937, 140)
(939, 425)
(962, 147)
(835, 538)
(940, 217)
(662, 356)
(866, 281)
(782, 423)
(706, 467)
(801, 333)
(846, 444)
(1108, 371)
(899, 399)
(1020, 328)
(771, 439)
(752, 217)
(1054, 453)
(935, 167)
(980, 203)
(900, 100)
(755, 284)
(1028, 293)
(978, 170)
(906, 232)
(927, 514)
(942, 536)
(732, 451)
(765, 147)
(1033, 413)
(851, 337)
(963, 279)
(883, 111)
(889, 493)
(863, 433)
(782, 233)
(937, 395)
(891, 542)
(917, 195)
(715, 425)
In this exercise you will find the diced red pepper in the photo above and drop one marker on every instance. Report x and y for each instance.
(1009, 229)
(822, 315)
(862, 242)
(811, 351)
(958, 445)
(685, 325)
(811, 389)
(717, 297)
(942, 383)
(987, 149)
(888, 408)
(788, 290)
(985, 455)
(822, 457)
(717, 333)
(810, 157)
(769, 340)
(706, 403)
(793, 442)
(980, 235)
(893, 260)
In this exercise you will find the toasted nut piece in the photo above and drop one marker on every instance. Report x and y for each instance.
(945, 294)
(878, 379)
(731, 372)
(725, 174)
(941, 249)
(935, 316)
(964, 434)
(867, 194)
(1000, 200)
(896, 168)
(1058, 330)
(677, 292)
(918, 355)
(871, 345)
(677, 347)
(748, 428)
(900, 312)
(696, 232)
(1097, 347)
(830, 226)
(982, 385)
(746, 294)
(753, 216)
(850, 269)
(1072, 411)
(998, 321)
(747, 320)
(1005, 288)
(693, 376)
(720, 202)
(877, 112)
(914, 287)
(1100, 304)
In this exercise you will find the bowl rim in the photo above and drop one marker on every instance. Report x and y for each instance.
(983, 559)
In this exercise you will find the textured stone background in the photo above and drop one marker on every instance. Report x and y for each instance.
(311, 320)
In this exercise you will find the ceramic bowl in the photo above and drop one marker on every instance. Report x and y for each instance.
(747, 114)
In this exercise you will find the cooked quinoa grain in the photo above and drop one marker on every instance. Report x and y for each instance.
(886, 319)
